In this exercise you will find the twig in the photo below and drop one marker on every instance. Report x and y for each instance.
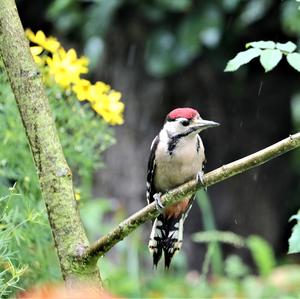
(104, 244)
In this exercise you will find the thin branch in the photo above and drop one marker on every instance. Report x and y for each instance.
(104, 244)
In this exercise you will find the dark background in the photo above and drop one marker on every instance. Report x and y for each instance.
(161, 55)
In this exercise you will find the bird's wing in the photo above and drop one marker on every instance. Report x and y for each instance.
(151, 171)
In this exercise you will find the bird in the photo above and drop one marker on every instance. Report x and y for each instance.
(176, 157)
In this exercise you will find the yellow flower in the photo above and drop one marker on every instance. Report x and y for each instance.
(101, 87)
(96, 90)
(109, 107)
(77, 195)
(50, 44)
(82, 89)
(66, 67)
(35, 52)
(116, 108)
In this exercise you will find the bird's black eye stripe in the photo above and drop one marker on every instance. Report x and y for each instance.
(185, 122)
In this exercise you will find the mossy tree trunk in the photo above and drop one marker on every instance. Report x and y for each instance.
(54, 174)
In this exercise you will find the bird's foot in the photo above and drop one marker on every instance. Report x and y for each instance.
(200, 178)
(159, 205)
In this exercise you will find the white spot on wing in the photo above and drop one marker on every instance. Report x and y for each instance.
(153, 143)
(158, 222)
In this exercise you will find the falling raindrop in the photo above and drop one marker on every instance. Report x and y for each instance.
(255, 176)
(229, 24)
(131, 55)
(258, 112)
(260, 87)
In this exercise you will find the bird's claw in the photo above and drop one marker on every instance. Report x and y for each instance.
(200, 179)
(159, 205)
(200, 176)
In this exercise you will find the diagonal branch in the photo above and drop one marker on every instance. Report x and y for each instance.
(104, 244)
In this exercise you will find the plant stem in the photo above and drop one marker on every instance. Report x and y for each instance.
(209, 225)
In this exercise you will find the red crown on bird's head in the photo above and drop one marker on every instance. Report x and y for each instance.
(188, 113)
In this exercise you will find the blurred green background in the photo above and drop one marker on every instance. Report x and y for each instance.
(163, 54)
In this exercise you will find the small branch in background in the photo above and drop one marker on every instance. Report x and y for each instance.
(104, 244)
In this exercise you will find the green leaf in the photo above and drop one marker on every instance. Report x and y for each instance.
(241, 59)
(294, 240)
(225, 237)
(262, 254)
(261, 44)
(270, 58)
(286, 47)
(294, 60)
(297, 216)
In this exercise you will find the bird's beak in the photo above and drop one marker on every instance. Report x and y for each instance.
(203, 124)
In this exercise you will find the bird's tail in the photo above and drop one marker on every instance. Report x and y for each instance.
(166, 236)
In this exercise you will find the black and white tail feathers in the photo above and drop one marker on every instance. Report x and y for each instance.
(166, 237)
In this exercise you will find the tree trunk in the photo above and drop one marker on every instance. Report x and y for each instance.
(54, 173)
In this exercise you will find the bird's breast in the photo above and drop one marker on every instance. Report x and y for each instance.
(179, 167)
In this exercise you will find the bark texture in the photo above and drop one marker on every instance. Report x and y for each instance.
(54, 173)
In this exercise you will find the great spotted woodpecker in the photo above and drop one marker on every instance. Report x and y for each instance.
(177, 156)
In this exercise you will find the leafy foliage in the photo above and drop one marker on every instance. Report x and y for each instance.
(10, 272)
(270, 54)
(262, 254)
(178, 32)
(261, 251)
(241, 59)
(294, 240)
(294, 60)
(168, 50)
(63, 68)
(24, 225)
(23, 219)
(223, 237)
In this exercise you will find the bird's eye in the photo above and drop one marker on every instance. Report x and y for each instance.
(185, 122)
